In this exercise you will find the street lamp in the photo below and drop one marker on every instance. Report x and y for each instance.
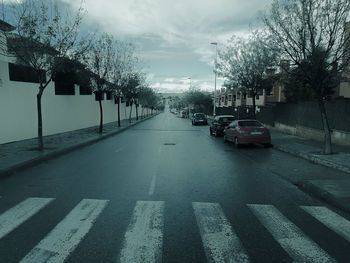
(216, 57)
(189, 104)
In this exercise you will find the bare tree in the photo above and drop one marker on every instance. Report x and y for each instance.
(100, 62)
(245, 64)
(131, 82)
(45, 36)
(312, 35)
(124, 62)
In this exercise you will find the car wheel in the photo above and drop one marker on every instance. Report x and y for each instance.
(236, 143)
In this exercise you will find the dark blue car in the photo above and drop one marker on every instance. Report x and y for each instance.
(199, 118)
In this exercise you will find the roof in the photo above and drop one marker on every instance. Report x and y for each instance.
(5, 26)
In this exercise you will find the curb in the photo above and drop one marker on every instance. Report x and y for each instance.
(314, 159)
(47, 156)
(310, 188)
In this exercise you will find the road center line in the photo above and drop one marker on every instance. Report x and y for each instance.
(63, 239)
(153, 185)
(144, 238)
(220, 242)
(15, 216)
(119, 150)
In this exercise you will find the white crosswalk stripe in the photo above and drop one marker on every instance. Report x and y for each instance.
(220, 242)
(299, 247)
(20, 213)
(63, 239)
(332, 220)
(144, 238)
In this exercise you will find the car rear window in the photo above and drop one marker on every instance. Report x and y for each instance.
(249, 124)
(200, 115)
(227, 119)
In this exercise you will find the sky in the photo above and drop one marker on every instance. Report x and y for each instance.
(172, 37)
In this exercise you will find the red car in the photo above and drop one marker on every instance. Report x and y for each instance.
(247, 132)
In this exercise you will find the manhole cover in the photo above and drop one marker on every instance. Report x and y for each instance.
(169, 143)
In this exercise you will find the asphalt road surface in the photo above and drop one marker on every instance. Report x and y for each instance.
(165, 191)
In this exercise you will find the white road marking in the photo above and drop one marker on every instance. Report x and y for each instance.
(144, 238)
(18, 214)
(220, 242)
(119, 150)
(332, 220)
(299, 247)
(153, 185)
(63, 239)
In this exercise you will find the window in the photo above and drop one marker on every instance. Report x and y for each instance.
(85, 90)
(99, 95)
(24, 73)
(250, 124)
(108, 95)
(64, 83)
(64, 88)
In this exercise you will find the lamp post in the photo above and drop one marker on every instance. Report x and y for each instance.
(216, 57)
(189, 104)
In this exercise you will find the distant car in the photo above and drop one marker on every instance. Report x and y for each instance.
(219, 123)
(199, 118)
(183, 114)
(247, 132)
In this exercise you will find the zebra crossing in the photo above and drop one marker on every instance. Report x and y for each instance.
(143, 239)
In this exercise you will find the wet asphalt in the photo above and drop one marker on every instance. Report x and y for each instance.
(167, 159)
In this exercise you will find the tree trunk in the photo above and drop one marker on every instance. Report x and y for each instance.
(40, 119)
(142, 110)
(327, 132)
(254, 103)
(118, 112)
(101, 117)
(137, 112)
(130, 113)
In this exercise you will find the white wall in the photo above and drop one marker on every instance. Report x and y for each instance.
(61, 113)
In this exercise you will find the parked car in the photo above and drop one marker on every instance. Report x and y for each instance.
(219, 123)
(183, 114)
(247, 132)
(199, 118)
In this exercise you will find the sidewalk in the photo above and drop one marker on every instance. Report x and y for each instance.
(335, 190)
(18, 155)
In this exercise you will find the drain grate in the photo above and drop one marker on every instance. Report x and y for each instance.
(169, 143)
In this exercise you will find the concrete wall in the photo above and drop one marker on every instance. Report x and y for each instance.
(61, 113)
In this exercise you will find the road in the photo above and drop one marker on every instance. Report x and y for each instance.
(166, 191)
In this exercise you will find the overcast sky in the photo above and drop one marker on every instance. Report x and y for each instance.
(173, 36)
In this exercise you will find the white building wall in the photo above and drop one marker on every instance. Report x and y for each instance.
(61, 113)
